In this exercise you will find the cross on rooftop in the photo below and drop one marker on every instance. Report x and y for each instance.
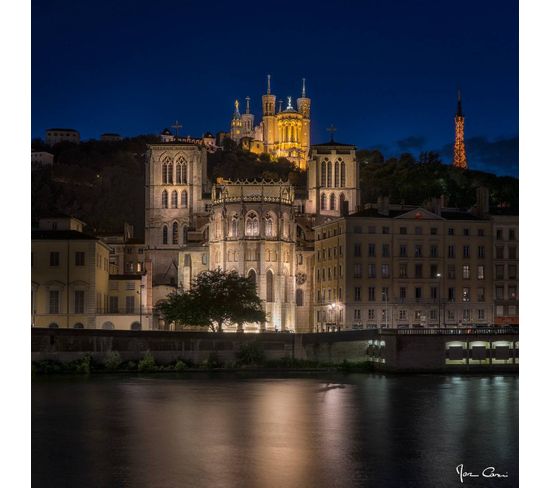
(332, 130)
(177, 126)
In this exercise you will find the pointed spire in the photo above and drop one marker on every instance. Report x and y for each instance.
(269, 84)
(280, 105)
(247, 105)
(303, 88)
(459, 104)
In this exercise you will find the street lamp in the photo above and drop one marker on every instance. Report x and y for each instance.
(438, 275)
(333, 308)
(140, 292)
(385, 298)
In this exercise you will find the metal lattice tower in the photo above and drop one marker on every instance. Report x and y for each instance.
(459, 160)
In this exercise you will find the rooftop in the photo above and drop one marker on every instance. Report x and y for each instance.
(61, 235)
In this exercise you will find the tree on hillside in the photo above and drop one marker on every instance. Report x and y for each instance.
(216, 299)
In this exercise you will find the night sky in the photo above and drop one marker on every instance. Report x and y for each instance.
(385, 73)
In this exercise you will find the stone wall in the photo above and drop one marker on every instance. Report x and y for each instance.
(389, 350)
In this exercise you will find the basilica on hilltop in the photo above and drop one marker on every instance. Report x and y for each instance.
(282, 132)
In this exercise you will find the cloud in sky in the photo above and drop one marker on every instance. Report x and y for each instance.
(411, 143)
(500, 156)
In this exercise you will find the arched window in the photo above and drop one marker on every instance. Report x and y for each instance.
(170, 175)
(323, 173)
(184, 230)
(174, 202)
(332, 201)
(235, 226)
(175, 233)
(269, 286)
(165, 173)
(337, 174)
(299, 297)
(184, 199)
(252, 225)
(184, 173)
(342, 174)
(342, 200)
(78, 325)
(165, 234)
(53, 325)
(108, 326)
(323, 202)
(269, 226)
(135, 326)
(329, 174)
(252, 276)
(181, 171)
(164, 199)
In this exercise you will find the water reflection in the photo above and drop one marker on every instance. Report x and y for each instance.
(357, 430)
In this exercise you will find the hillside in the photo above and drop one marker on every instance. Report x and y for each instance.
(102, 183)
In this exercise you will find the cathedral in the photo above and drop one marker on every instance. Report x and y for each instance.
(284, 132)
(262, 229)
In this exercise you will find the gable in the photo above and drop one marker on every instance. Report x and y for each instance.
(419, 214)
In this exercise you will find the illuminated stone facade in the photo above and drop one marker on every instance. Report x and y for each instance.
(281, 133)
(252, 231)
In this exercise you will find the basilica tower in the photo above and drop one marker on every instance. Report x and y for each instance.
(304, 107)
(236, 124)
(459, 160)
(269, 121)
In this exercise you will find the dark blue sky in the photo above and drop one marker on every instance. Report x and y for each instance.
(385, 73)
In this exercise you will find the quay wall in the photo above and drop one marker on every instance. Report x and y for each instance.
(429, 350)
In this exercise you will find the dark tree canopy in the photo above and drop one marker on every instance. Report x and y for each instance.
(216, 298)
(102, 183)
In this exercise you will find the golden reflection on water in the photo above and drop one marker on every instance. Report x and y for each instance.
(282, 433)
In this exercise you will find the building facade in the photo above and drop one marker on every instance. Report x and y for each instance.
(53, 136)
(393, 266)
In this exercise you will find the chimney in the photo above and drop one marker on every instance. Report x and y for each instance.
(384, 205)
(482, 201)
(444, 201)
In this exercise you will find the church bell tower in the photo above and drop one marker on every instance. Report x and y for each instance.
(269, 121)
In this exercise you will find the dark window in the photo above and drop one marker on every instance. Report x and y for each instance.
(79, 301)
(54, 301)
(372, 250)
(372, 294)
(451, 252)
(402, 230)
(54, 258)
(357, 293)
(451, 295)
(385, 250)
(385, 230)
(418, 271)
(79, 258)
(403, 250)
(433, 231)
(357, 250)
(451, 231)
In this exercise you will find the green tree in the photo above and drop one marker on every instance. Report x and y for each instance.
(216, 298)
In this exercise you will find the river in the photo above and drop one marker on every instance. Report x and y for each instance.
(204, 430)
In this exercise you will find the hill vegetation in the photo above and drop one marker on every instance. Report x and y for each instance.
(102, 183)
